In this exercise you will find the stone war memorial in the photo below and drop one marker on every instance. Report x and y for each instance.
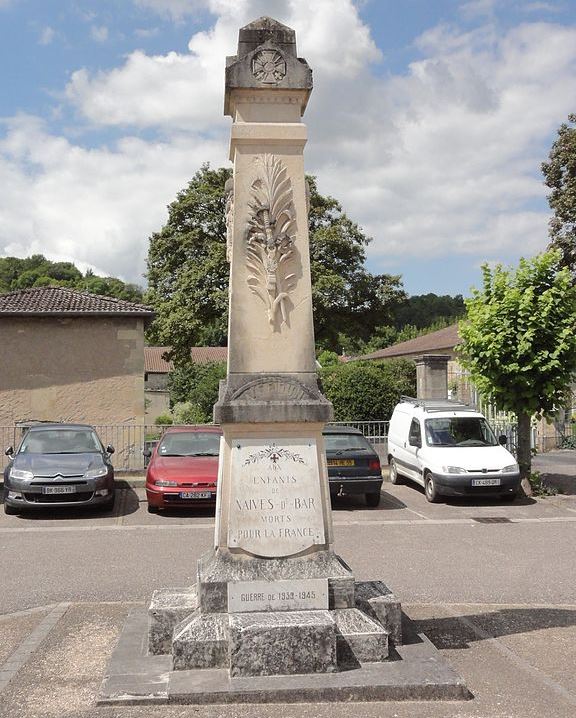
(274, 614)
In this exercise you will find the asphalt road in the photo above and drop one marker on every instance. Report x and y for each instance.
(491, 584)
(441, 553)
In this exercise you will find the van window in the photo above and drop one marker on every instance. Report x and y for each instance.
(459, 431)
(415, 437)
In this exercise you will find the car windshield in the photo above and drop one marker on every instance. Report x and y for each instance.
(190, 443)
(459, 431)
(346, 442)
(60, 441)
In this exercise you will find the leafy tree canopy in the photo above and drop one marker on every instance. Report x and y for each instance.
(425, 310)
(188, 271)
(194, 390)
(560, 176)
(37, 271)
(519, 340)
(367, 390)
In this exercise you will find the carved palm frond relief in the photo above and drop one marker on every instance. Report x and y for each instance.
(270, 239)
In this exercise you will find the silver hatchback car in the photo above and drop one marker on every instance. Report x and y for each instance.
(58, 465)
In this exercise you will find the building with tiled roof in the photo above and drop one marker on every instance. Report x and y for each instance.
(441, 341)
(68, 355)
(51, 301)
(156, 363)
(157, 369)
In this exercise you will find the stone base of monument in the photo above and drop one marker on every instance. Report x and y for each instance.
(413, 671)
(221, 642)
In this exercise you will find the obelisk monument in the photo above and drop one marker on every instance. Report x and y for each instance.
(272, 597)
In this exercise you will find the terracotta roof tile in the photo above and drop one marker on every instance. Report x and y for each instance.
(202, 355)
(443, 339)
(62, 300)
(154, 362)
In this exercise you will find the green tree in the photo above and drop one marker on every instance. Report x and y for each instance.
(37, 271)
(560, 176)
(519, 341)
(367, 390)
(425, 310)
(196, 384)
(188, 271)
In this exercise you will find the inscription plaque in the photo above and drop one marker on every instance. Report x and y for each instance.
(276, 507)
(306, 595)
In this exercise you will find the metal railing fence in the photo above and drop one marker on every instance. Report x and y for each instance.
(130, 440)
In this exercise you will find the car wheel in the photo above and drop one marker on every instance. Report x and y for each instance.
(509, 497)
(152, 509)
(430, 489)
(394, 476)
(10, 510)
(373, 499)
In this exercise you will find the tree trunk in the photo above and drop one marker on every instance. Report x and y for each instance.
(524, 451)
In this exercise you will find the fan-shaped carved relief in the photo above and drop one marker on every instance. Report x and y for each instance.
(270, 238)
(274, 389)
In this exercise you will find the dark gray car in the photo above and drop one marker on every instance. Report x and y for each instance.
(58, 465)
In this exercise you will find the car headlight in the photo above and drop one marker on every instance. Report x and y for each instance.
(512, 469)
(21, 474)
(453, 470)
(162, 482)
(95, 473)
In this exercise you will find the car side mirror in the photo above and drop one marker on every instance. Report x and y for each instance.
(502, 439)
(109, 449)
(147, 453)
(415, 442)
(9, 451)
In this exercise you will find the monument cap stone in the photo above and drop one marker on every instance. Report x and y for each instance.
(267, 60)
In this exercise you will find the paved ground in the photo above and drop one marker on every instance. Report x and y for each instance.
(491, 584)
(557, 468)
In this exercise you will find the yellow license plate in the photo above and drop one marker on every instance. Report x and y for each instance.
(340, 462)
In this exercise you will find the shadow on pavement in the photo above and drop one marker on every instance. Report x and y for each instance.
(495, 500)
(564, 484)
(357, 502)
(454, 632)
(125, 503)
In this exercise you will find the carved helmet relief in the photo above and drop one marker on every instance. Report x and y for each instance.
(270, 237)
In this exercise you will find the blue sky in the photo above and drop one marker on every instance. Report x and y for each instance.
(429, 121)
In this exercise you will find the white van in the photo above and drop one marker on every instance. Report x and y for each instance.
(450, 449)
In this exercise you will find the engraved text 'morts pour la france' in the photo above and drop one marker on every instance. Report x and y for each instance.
(270, 237)
(275, 500)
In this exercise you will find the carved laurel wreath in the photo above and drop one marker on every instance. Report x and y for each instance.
(270, 237)
(274, 454)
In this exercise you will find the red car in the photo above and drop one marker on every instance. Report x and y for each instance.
(183, 467)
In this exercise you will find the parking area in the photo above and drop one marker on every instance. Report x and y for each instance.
(491, 583)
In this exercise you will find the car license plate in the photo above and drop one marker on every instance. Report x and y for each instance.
(58, 489)
(340, 462)
(195, 494)
(485, 482)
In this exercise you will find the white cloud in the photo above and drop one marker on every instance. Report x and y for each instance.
(97, 207)
(185, 90)
(541, 7)
(477, 8)
(146, 31)
(174, 8)
(99, 33)
(441, 160)
(46, 35)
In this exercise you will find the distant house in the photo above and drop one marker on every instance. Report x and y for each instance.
(442, 341)
(67, 355)
(157, 369)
